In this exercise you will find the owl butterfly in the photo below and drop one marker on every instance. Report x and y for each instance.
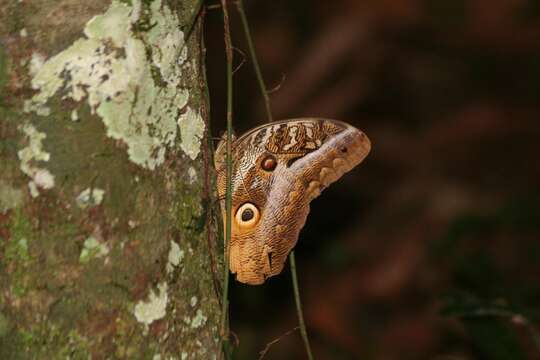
(277, 169)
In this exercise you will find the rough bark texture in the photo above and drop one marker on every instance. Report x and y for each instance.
(106, 237)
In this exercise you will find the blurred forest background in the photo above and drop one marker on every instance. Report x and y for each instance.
(430, 249)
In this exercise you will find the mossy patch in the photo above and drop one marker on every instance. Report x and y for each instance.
(3, 75)
(10, 197)
(17, 246)
(16, 252)
(47, 341)
(5, 325)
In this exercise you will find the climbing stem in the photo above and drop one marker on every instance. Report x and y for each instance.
(254, 60)
(301, 323)
(264, 93)
(228, 201)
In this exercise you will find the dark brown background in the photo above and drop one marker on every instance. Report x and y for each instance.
(430, 249)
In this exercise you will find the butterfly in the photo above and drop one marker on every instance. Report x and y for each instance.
(277, 169)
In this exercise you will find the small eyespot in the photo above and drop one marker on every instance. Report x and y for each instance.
(269, 163)
(247, 215)
(343, 149)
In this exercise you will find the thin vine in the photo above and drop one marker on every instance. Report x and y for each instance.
(254, 60)
(228, 201)
(264, 92)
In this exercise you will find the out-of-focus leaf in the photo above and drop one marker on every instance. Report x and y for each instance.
(465, 225)
(488, 325)
(466, 305)
(493, 339)
(478, 273)
(522, 214)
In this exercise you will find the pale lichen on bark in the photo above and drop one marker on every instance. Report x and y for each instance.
(109, 67)
(155, 308)
(192, 130)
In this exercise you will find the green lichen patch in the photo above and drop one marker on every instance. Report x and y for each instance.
(199, 319)
(18, 250)
(114, 68)
(92, 248)
(74, 115)
(36, 62)
(90, 197)
(175, 257)
(116, 19)
(191, 130)
(154, 308)
(192, 175)
(10, 197)
(30, 155)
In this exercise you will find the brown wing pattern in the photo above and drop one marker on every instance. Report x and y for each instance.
(278, 169)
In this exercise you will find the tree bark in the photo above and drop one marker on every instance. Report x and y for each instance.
(107, 238)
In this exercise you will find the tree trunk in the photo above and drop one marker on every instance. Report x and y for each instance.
(107, 238)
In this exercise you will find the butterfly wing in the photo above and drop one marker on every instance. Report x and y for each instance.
(278, 168)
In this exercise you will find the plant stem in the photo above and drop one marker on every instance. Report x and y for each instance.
(303, 330)
(228, 201)
(253, 55)
(264, 92)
